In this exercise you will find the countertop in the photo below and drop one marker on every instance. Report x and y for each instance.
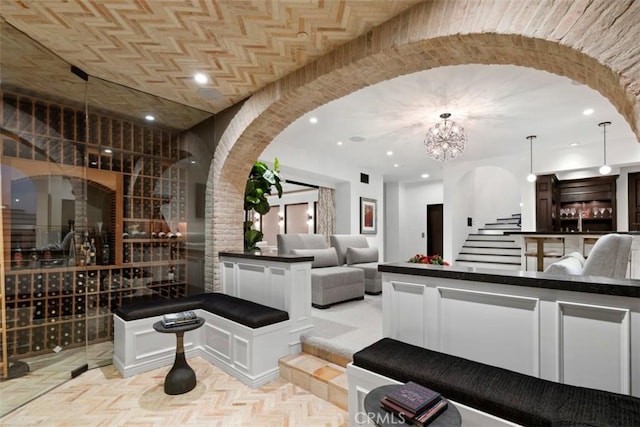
(570, 233)
(268, 257)
(576, 283)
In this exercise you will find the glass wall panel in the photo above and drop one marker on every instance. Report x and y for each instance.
(98, 210)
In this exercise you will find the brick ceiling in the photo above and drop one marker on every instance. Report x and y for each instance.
(156, 46)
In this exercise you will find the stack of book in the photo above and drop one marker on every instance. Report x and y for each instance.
(172, 320)
(416, 404)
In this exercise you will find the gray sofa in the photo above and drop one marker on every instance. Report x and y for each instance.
(331, 283)
(354, 251)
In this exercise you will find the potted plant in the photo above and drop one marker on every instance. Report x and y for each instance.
(260, 183)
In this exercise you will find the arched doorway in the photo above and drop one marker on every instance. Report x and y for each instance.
(557, 38)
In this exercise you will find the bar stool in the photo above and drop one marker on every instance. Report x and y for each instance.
(588, 241)
(539, 252)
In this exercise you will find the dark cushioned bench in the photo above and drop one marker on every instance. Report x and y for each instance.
(515, 397)
(241, 311)
(243, 338)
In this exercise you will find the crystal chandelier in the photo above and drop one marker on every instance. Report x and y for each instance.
(446, 140)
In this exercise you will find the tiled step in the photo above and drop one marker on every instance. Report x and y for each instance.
(326, 380)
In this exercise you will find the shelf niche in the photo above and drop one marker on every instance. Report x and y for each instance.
(559, 204)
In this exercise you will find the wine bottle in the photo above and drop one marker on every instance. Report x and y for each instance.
(91, 256)
(105, 249)
(86, 248)
(71, 258)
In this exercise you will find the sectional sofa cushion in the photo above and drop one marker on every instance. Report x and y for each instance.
(335, 277)
(288, 242)
(321, 257)
(361, 255)
(343, 241)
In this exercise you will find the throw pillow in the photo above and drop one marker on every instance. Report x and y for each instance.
(569, 265)
(361, 255)
(321, 257)
(576, 255)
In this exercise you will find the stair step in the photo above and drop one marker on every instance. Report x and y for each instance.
(494, 237)
(509, 225)
(497, 230)
(512, 221)
(488, 265)
(326, 380)
(491, 250)
(486, 243)
(505, 259)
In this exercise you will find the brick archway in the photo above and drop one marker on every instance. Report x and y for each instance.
(574, 39)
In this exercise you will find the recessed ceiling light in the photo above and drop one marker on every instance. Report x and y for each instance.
(357, 138)
(149, 117)
(313, 120)
(424, 175)
(200, 78)
(339, 142)
(395, 165)
(193, 162)
(588, 112)
(108, 150)
(389, 153)
(574, 144)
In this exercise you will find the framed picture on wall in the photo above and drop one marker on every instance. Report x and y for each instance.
(368, 216)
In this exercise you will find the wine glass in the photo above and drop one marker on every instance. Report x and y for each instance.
(573, 212)
(610, 210)
(602, 212)
(595, 211)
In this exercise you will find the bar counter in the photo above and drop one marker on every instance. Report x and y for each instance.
(577, 330)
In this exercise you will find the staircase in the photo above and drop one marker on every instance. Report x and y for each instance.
(490, 248)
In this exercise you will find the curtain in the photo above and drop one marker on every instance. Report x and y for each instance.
(326, 220)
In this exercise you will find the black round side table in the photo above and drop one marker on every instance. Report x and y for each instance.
(181, 378)
(383, 418)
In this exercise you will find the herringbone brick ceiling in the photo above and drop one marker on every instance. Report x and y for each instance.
(156, 46)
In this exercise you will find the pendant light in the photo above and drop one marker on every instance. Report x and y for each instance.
(605, 168)
(531, 177)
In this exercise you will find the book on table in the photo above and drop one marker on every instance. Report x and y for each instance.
(430, 414)
(414, 397)
(179, 319)
(415, 403)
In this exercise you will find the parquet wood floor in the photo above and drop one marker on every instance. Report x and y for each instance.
(101, 397)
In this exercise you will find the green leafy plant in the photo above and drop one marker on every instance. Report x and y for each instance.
(261, 182)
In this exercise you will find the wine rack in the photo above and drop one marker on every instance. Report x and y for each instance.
(68, 306)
